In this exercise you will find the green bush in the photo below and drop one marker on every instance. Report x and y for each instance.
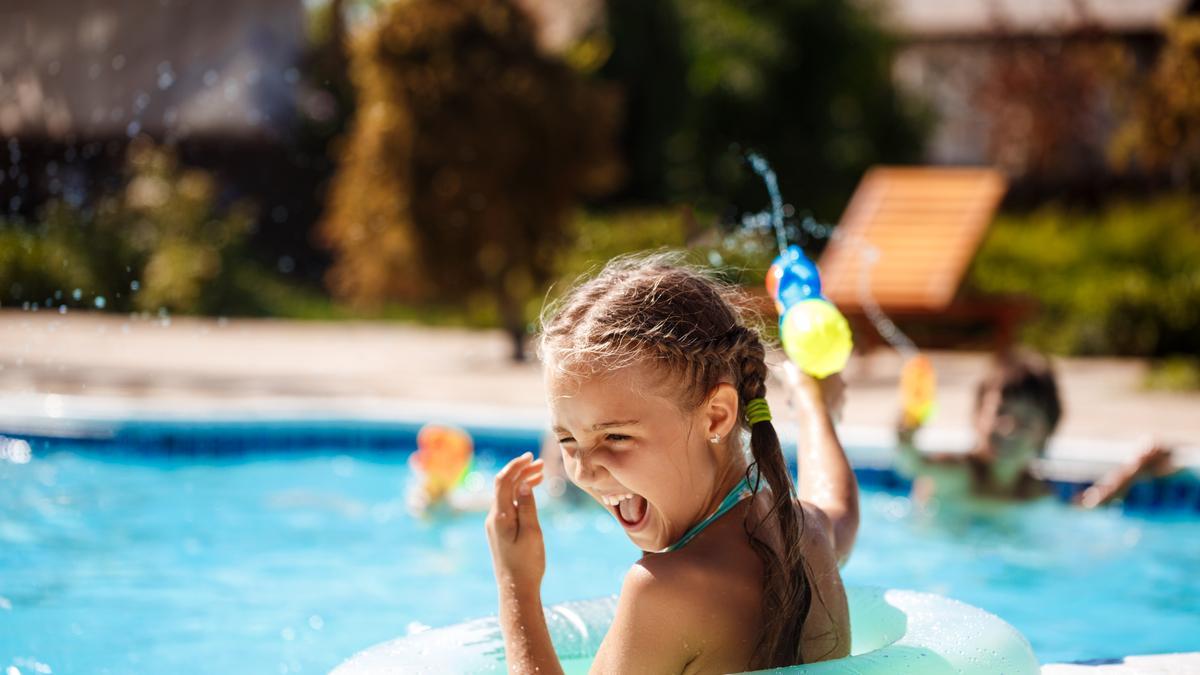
(159, 243)
(1123, 281)
(1176, 373)
(805, 82)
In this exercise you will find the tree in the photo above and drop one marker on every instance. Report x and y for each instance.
(1162, 132)
(467, 154)
(805, 82)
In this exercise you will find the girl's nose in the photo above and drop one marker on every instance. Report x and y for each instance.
(587, 470)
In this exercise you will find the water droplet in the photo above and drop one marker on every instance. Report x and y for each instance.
(99, 302)
(315, 622)
(62, 309)
(77, 294)
(210, 78)
(134, 285)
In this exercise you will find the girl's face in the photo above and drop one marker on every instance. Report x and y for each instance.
(634, 451)
(1014, 430)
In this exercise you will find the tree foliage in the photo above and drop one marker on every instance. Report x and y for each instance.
(805, 82)
(1048, 102)
(468, 151)
(160, 242)
(1162, 132)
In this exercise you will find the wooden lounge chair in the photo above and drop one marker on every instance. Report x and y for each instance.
(922, 226)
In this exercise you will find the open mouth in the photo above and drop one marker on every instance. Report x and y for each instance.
(630, 509)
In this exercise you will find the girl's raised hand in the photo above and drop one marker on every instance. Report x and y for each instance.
(514, 535)
(808, 394)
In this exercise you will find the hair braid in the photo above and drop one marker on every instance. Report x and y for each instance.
(787, 596)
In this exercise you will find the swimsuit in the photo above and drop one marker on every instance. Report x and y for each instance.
(736, 495)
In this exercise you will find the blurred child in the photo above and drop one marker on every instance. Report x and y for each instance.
(1017, 408)
(441, 467)
(444, 481)
(657, 388)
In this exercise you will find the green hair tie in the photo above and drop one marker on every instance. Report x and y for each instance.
(757, 411)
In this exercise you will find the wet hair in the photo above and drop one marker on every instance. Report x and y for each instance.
(649, 309)
(1026, 375)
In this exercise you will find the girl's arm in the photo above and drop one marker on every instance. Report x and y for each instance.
(825, 478)
(1154, 461)
(519, 558)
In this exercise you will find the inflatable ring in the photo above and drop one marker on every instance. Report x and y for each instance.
(891, 631)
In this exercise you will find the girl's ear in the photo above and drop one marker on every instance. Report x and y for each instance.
(721, 411)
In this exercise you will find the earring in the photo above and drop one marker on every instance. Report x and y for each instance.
(715, 438)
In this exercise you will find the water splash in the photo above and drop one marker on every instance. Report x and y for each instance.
(764, 170)
(868, 252)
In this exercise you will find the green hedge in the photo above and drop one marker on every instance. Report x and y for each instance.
(1123, 281)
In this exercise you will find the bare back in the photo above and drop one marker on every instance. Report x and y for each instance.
(699, 609)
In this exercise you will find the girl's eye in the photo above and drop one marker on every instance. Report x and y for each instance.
(566, 439)
(617, 437)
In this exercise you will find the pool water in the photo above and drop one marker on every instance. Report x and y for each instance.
(291, 564)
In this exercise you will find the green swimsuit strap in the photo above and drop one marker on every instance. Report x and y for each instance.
(737, 494)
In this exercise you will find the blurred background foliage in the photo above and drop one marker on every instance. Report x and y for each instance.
(1162, 131)
(160, 242)
(468, 155)
(472, 146)
(1124, 280)
(805, 82)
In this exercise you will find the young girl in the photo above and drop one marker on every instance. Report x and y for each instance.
(655, 386)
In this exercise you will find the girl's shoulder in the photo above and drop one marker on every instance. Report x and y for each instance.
(676, 614)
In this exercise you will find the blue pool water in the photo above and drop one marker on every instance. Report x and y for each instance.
(291, 564)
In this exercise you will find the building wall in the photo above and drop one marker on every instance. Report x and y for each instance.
(170, 68)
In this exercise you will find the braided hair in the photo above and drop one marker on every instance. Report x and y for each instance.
(651, 309)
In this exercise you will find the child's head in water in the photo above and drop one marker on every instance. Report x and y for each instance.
(1017, 408)
(649, 368)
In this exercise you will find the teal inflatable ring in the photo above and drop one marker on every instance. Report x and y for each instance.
(891, 632)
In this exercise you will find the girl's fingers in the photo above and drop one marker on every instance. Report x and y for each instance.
(531, 468)
(510, 476)
(505, 485)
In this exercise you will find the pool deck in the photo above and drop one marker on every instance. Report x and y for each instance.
(1159, 664)
(55, 368)
(53, 365)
